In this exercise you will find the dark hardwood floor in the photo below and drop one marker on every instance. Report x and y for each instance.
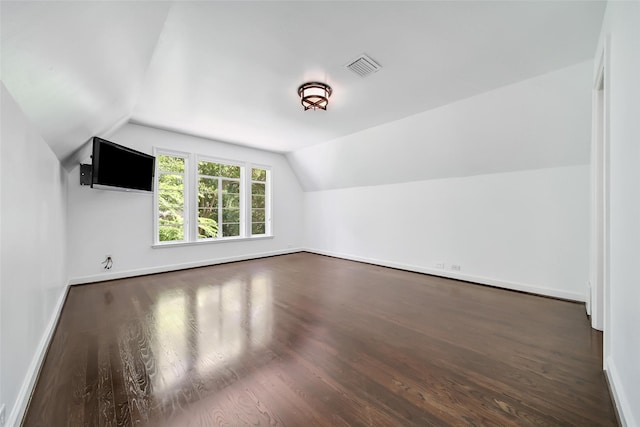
(304, 340)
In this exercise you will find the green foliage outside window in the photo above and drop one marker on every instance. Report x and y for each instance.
(258, 192)
(218, 203)
(170, 164)
(207, 207)
(171, 198)
(258, 174)
(216, 208)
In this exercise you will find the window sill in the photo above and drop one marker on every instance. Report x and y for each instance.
(207, 242)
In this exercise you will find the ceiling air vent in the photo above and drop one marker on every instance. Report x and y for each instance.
(363, 66)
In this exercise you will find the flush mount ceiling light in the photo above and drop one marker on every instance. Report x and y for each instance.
(314, 95)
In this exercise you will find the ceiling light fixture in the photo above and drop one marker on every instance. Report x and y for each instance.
(314, 95)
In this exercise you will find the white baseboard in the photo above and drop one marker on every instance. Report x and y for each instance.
(174, 267)
(22, 400)
(17, 413)
(523, 287)
(622, 405)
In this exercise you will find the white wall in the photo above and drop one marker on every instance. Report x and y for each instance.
(497, 183)
(523, 230)
(32, 252)
(622, 22)
(539, 123)
(121, 224)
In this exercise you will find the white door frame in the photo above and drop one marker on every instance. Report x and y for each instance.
(598, 300)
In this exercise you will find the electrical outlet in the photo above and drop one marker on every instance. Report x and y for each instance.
(455, 267)
(440, 265)
(2, 417)
(108, 262)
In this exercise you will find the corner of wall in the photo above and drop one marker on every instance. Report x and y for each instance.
(620, 402)
(24, 395)
(34, 203)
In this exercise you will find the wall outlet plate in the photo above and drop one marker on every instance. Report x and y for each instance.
(440, 265)
(455, 267)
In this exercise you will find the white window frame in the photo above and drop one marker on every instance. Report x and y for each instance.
(191, 181)
(186, 195)
(267, 200)
(242, 206)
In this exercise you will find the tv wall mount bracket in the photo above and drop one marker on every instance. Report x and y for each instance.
(85, 174)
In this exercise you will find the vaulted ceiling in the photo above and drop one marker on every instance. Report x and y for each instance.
(230, 70)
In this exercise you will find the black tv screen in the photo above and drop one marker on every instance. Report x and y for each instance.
(116, 167)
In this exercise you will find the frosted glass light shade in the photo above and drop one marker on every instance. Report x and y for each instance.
(314, 95)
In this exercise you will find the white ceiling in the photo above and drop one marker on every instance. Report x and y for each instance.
(230, 70)
(76, 68)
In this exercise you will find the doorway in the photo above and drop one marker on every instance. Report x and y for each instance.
(598, 300)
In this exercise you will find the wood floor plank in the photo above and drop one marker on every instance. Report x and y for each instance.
(309, 340)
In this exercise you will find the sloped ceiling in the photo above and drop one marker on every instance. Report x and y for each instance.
(229, 70)
(538, 123)
(76, 68)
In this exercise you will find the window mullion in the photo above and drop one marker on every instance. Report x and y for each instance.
(242, 188)
(248, 197)
(156, 200)
(192, 189)
(220, 221)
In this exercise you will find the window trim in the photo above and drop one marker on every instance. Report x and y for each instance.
(267, 200)
(243, 166)
(190, 237)
(175, 243)
(186, 195)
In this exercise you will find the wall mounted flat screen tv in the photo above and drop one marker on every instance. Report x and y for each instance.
(116, 167)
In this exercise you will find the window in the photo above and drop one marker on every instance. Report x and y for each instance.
(171, 197)
(229, 200)
(259, 201)
(218, 200)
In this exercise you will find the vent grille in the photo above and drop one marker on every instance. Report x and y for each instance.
(363, 66)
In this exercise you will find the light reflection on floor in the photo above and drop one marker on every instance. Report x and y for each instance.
(169, 340)
(261, 303)
(222, 322)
